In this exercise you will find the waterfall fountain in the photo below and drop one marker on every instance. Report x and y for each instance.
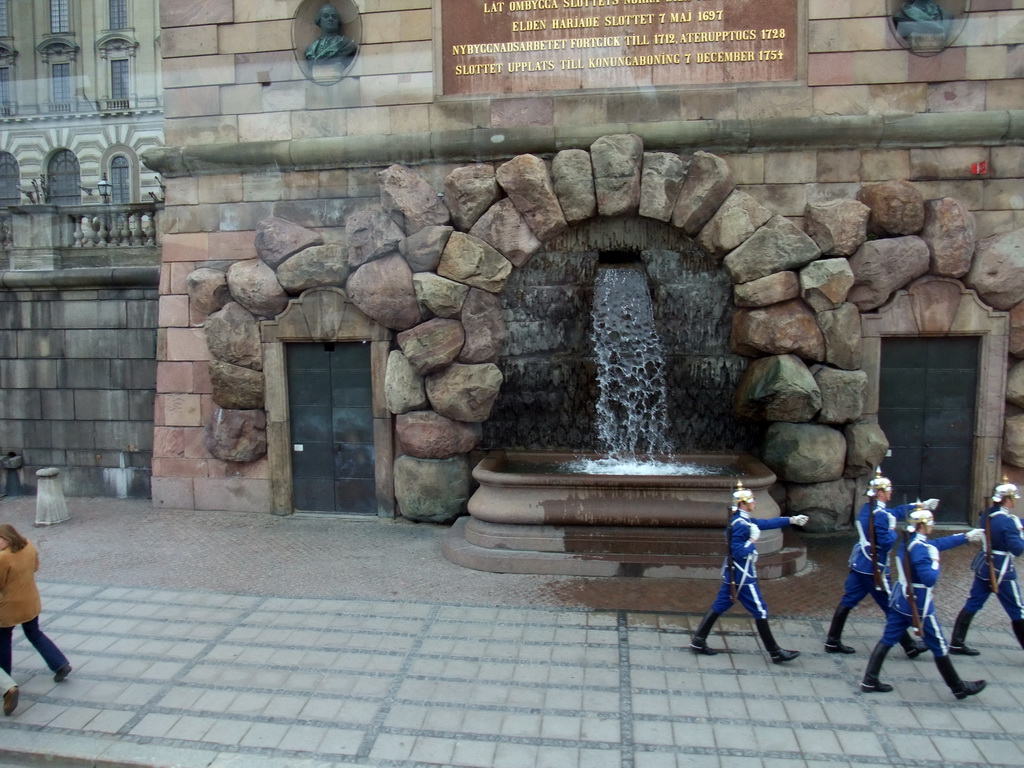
(634, 508)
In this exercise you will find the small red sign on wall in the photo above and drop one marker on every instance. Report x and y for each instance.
(979, 169)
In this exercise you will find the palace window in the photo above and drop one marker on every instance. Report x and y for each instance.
(61, 84)
(6, 100)
(5, 18)
(120, 180)
(60, 18)
(65, 178)
(119, 84)
(118, 14)
(10, 180)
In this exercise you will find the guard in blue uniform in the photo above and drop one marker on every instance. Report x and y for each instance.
(869, 562)
(739, 575)
(917, 564)
(994, 569)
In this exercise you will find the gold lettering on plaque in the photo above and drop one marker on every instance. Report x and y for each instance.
(510, 46)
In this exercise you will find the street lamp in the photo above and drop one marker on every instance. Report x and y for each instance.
(104, 187)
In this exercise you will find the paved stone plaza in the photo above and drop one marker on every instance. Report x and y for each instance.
(223, 639)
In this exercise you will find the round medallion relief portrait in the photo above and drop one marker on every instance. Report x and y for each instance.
(326, 37)
(927, 27)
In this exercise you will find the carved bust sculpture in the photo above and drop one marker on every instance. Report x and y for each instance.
(921, 17)
(331, 45)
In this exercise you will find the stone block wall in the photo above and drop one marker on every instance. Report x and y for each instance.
(231, 76)
(222, 229)
(250, 138)
(787, 182)
(78, 369)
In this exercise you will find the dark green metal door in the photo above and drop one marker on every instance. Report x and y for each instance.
(329, 400)
(927, 402)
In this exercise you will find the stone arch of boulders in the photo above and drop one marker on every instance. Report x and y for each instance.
(431, 267)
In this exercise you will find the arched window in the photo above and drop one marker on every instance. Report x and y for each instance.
(120, 180)
(10, 180)
(64, 178)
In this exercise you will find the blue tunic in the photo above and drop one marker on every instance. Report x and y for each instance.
(1007, 543)
(884, 522)
(924, 571)
(741, 563)
(860, 582)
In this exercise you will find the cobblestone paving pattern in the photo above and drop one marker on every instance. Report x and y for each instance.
(112, 541)
(222, 640)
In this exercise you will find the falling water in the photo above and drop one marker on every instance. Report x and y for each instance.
(549, 397)
(632, 405)
(632, 402)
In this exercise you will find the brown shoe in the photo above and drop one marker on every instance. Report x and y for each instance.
(11, 701)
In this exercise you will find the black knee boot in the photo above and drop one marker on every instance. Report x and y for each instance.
(960, 688)
(834, 641)
(871, 683)
(912, 646)
(1018, 630)
(699, 643)
(778, 654)
(956, 641)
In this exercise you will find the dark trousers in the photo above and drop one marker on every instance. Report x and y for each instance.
(51, 653)
(1008, 594)
(860, 585)
(749, 595)
(898, 623)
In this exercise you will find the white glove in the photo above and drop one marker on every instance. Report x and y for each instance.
(755, 533)
(798, 520)
(930, 504)
(976, 535)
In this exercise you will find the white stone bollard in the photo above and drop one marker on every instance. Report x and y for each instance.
(50, 505)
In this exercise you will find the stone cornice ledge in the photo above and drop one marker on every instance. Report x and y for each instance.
(87, 277)
(487, 144)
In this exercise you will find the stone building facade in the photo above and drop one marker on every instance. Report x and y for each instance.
(77, 363)
(80, 100)
(873, 195)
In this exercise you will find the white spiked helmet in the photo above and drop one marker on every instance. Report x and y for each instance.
(1005, 490)
(879, 483)
(742, 495)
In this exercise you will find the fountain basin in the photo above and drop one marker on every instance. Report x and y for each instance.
(531, 515)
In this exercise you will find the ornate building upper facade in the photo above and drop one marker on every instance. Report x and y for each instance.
(80, 100)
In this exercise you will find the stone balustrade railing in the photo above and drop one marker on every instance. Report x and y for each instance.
(111, 226)
(49, 237)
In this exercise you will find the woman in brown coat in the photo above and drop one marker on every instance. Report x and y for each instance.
(10, 689)
(20, 604)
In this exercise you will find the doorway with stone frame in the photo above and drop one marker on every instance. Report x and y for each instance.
(935, 307)
(324, 316)
(329, 407)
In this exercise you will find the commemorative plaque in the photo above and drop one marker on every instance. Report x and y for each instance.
(521, 46)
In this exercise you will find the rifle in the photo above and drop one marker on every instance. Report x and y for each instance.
(993, 582)
(875, 570)
(733, 593)
(915, 615)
